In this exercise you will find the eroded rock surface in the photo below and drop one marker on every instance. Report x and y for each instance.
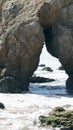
(21, 42)
(58, 117)
(56, 18)
(22, 39)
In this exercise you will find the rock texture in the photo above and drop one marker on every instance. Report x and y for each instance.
(22, 31)
(58, 117)
(56, 18)
(21, 42)
(2, 106)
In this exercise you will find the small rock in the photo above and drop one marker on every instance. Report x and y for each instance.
(2, 106)
(47, 69)
(37, 79)
(42, 65)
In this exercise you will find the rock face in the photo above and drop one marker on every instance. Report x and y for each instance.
(56, 18)
(21, 42)
(22, 31)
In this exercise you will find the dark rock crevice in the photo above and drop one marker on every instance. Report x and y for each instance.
(49, 41)
(48, 38)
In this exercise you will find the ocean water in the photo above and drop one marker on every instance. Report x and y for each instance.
(22, 111)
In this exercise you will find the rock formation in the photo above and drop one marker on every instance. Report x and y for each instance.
(56, 18)
(58, 117)
(22, 31)
(21, 42)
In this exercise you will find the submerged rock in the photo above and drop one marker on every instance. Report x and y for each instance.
(37, 79)
(58, 118)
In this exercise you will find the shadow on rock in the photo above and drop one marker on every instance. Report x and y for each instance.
(61, 68)
(11, 85)
(69, 85)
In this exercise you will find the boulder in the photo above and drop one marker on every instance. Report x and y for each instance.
(46, 68)
(58, 117)
(38, 79)
(2, 105)
(21, 42)
(56, 17)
